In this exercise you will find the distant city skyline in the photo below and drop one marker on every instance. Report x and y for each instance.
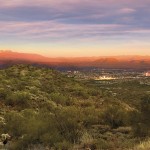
(74, 28)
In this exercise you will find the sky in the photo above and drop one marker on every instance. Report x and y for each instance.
(75, 27)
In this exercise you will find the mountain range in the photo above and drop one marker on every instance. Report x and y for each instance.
(107, 62)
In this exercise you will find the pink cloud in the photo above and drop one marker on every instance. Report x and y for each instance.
(53, 29)
(126, 10)
(56, 30)
(17, 3)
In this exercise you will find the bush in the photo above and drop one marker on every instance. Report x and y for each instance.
(69, 123)
(140, 120)
(58, 98)
(91, 116)
(14, 124)
(114, 116)
(3, 93)
(62, 145)
(124, 130)
(87, 141)
(18, 98)
(102, 144)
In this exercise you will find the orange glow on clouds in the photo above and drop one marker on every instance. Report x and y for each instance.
(75, 27)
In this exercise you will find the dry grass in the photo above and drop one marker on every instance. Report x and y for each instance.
(143, 145)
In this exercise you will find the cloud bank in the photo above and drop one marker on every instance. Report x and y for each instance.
(75, 20)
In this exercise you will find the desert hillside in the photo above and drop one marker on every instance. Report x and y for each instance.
(44, 108)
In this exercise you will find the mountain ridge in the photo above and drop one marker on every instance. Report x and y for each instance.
(126, 61)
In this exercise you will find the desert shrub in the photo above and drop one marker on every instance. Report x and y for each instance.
(135, 123)
(64, 145)
(21, 144)
(124, 130)
(48, 105)
(91, 116)
(86, 103)
(69, 123)
(94, 92)
(2, 124)
(14, 124)
(145, 111)
(101, 144)
(3, 93)
(47, 86)
(114, 116)
(18, 98)
(58, 98)
(81, 93)
(87, 141)
(38, 128)
(38, 147)
(41, 128)
(140, 120)
(86, 138)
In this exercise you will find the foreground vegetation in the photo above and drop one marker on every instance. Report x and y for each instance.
(44, 109)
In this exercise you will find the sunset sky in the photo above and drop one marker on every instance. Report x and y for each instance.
(75, 27)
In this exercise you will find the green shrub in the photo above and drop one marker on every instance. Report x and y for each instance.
(69, 123)
(62, 145)
(140, 120)
(124, 130)
(87, 141)
(90, 116)
(18, 98)
(114, 116)
(102, 145)
(15, 124)
(58, 98)
(3, 93)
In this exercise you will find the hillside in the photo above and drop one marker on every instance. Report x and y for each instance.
(43, 108)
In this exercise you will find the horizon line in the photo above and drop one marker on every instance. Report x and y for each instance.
(32, 53)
